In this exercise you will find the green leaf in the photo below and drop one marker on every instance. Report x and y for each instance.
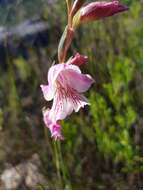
(62, 45)
(65, 43)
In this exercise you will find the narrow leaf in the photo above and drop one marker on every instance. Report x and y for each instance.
(65, 43)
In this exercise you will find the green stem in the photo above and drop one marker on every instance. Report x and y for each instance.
(62, 162)
(61, 168)
(66, 180)
(57, 162)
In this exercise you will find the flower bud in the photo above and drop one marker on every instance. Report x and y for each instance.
(99, 10)
(78, 59)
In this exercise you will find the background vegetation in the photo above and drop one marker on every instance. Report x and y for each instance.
(103, 145)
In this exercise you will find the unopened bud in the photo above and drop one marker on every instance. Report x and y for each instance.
(98, 10)
(78, 59)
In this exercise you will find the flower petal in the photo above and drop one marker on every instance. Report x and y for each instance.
(54, 72)
(56, 132)
(72, 67)
(60, 109)
(81, 103)
(77, 81)
(48, 92)
(54, 128)
(64, 107)
(46, 118)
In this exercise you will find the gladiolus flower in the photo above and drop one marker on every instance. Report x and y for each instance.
(65, 86)
(98, 10)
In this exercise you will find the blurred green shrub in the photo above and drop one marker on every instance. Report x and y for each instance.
(113, 115)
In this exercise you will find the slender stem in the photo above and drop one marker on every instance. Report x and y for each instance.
(57, 162)
(47, 141)
(62, 173)
(61, 161)
(69, 21)
(68, 6)
(64, 169)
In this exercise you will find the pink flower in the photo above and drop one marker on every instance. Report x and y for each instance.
(98, 10)
(65, 86)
